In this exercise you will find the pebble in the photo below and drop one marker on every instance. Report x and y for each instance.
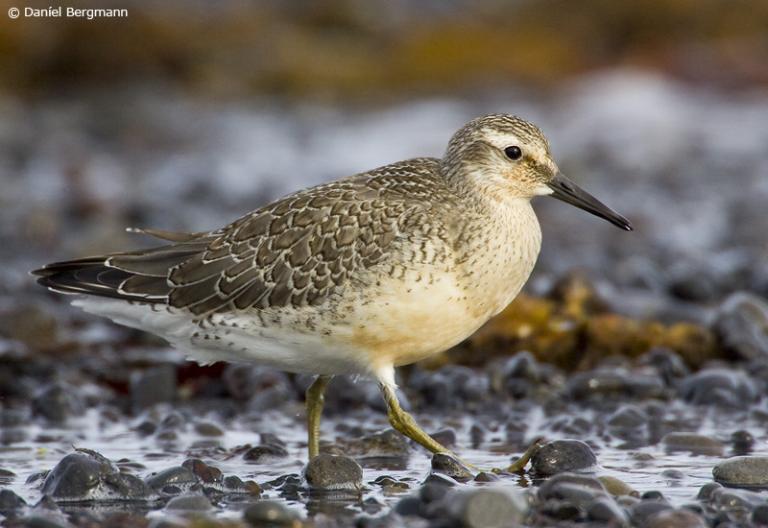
(265, 454)
(743, 471)
(9, 502)
(742, 442)
(597, 385)
(269, 513)
(718, 386)
(562, 455)
(179, 477)
(490, 508)
(334, 473)
(641, 512)
(87, 475)
(760, 515)
(692, 443)
(578, 490)
(189, 503)
(606, 512)
(57, 403)
(386, 443)
(206, 473)
(741, 324)
(617, 487)
(449, 465)
(675, 519)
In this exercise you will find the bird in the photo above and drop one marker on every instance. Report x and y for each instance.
(358, 276)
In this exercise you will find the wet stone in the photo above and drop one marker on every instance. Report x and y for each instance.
(490, 508)
(269, 513)
(265, 454)
(57, 403)
(706, 491)
(742, 442)
(206, 473)
(692, 443)
(675, 519)
(87, 475)
(741, 324)
(178, 477)
(450, 466)
(667, 363)
(387, 443)
(716, 386)
(605, 511)
(208, 429)
(561, 456)
(641, 512)
(743, 471)
(570, 488)
(485, 476)
(9, 502)
(445, 437)
(189, 503)
(617, 487)
(596, 385)
(760, 515)
(334, 473)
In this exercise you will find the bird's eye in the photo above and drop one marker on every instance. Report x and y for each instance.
(513, 153)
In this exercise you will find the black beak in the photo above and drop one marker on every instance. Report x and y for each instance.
(567, 191)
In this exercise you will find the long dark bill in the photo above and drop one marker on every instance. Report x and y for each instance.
(567, 191)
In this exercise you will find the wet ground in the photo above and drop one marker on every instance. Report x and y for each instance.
(615, 382)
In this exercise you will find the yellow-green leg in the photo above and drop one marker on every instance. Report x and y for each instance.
(519, 464)
(315, 398)
(405, 424)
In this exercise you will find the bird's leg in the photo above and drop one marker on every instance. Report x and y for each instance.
(315, 399)
(406, 425)
(519, 465)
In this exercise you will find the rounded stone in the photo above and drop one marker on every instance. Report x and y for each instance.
(265, 454)
(175, 476)
(563, 455)
(448, 465)
(606, 512)
(490, 508)
(675, 519)
(334, 472)
(189, 503)
(692, 443)
(269, 513)
(743, 471)
(9, 501)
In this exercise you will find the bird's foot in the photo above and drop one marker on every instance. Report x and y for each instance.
(519, 465)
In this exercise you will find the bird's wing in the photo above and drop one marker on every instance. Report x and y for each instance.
(297, 251)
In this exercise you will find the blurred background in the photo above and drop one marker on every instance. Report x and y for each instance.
(189, 113)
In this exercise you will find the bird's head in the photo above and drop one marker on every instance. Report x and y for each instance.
(505, 156)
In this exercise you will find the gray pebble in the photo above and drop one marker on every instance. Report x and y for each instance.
(334, 472)
(178, 476)
(675, 519)
(692, 443)
(87, 475)
(718, 386)
(490, 508)
(269, 513)
(265, 454)
(189, 503)
(743, 471)
(562, 455)
(741, 324)
(9, 501)
(448, 465)
(607, 512)
(57, 403)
